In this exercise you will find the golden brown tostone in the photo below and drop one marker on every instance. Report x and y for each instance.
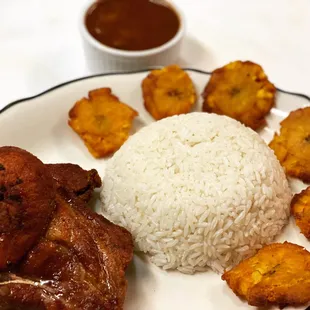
(102, 121)
(240, 90)
(279, 274)
(300, 209)
(168, 91)
(292, 145)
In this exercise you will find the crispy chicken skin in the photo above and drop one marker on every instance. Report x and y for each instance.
(240, 90)
(292, 145)
(75, 180)
(80, 260)
(102, 121)
(27, 202)
(19, 294)
(168, 91)
(79, 264)
(279, 274)
(300, 209)
(81, 253)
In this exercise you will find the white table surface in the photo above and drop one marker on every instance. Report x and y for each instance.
(40, 44)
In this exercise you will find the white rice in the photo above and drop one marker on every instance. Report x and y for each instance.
(196, 191)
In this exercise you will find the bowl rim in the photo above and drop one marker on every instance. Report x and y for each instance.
(126, 53)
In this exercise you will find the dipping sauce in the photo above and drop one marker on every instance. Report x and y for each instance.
(132, 25)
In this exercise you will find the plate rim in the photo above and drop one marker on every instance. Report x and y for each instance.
(57, 86)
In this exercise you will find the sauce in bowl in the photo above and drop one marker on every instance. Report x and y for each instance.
(132, 25)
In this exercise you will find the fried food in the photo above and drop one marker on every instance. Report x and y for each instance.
(27, 194)
(79, 262)
(102, 121)
(300, 209)
(292, 145)
(168, 91)
(240, 90)
(279, 274)
(72, 180)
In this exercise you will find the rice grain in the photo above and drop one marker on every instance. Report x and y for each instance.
(196, 191)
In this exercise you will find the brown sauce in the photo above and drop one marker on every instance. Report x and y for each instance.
(132, 25)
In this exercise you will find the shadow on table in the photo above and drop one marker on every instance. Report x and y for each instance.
(141, 282)
(194, 52)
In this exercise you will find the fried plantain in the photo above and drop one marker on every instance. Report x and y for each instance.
(300, 209)
(292, 145)
(168, 91)
(240, 90)
(102, 121)
(279, 274)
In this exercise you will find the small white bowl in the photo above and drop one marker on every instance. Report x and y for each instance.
(102, 58)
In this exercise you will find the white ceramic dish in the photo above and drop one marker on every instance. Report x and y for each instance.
(39, 124)
(102, 58)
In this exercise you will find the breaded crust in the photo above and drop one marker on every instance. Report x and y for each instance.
(300, 209)
(240, 90)
(279, 274)
(27, 201)
(292, 145)
(102, 121)
(168, 91)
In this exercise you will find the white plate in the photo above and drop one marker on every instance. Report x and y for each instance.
(39, 125)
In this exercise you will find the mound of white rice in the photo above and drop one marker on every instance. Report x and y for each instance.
(196, 191)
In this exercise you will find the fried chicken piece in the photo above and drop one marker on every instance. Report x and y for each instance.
(80, 264)
(27, 194)
(292, 145)
(279, 274)
(240, 90)
(74, 180)
(300, 209)
(102, 121)
(168, 91)
(81, 260)
(21, 294)
(83, 253)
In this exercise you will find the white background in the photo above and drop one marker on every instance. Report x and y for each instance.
(40, 44)
(40, 47)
